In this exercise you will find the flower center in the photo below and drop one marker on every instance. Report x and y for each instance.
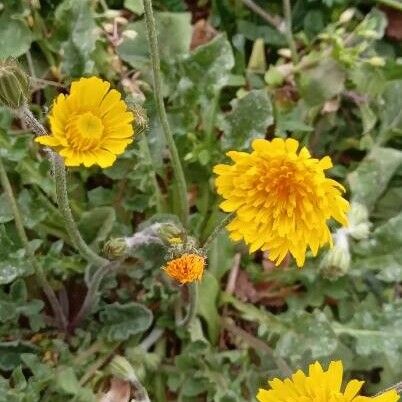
(84, 132)
(89, 126)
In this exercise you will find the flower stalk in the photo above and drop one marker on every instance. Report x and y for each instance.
(287, 10)
(176, 163)
(40, 275)
(64, 207)
(219, 227)
(62, 196)
(92, 293)
(192, 308)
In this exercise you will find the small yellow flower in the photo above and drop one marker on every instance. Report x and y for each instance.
(319, 386)
(89, 126)
(187, 268)
(281, 198)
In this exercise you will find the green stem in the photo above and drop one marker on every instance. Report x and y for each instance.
(272, 20)
(397, 387)
(61, 194)
(217, 230)
(192, 308)
(64, 206)
(287, 10)
(92, 293)
(391, 3)
(176, 164)
(40, 275)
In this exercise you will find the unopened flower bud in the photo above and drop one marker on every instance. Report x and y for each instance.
(376, 61)
(121, 368)
(14, 84)
(170, 234)
(359, 225)
(115, 248)
(336, 262)
(347, 15)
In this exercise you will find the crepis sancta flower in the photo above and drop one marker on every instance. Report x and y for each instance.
(89, 126)
(319, 386)
(281, 199)
(187, 268)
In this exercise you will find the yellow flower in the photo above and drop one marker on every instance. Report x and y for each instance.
(91, 125)
(282, 199)
(187, 268)
(319, 386)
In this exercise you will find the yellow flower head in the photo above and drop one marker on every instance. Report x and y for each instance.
(282, 199)
(91, 125)
(319, 386)
(187, 268)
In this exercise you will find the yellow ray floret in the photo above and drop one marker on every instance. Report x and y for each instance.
(281, 199)
(186, 269)
(89, 126)
(319, 386)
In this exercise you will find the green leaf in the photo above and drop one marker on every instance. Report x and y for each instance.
(120, 321)
(174, 32)
(67, 381)
(78, 20)
(371, 177)
(376, 330)
(96, 224)
(251, 31)
(208, 67)
(6, 215)
(208, 290)
(10, 354)
(322, 82)
(15, 36)
(11, 270)
(249, 119)
(136, 6)
(391, 111)
(307, 333)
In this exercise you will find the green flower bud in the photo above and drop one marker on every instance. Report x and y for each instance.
(347, 15)
(359, 225)
(377, 61)
(170, 234)
(273, 77)
(336, 262)
(115, 248)
(121, 368)
(14, 84)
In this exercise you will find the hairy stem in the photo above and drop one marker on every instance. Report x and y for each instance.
(192, 308)
(92, 293)
(152, 338)
(217, 230)
(64, 206)
(257, 344)
(397, 387)
(287, 10)
(275, 21)
(155, 60)
(40, 275)
(62, 195)
(391, 3)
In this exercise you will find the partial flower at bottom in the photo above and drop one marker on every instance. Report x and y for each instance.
(89, 126)
(319, 386)
(281, 198)
(186, 268)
